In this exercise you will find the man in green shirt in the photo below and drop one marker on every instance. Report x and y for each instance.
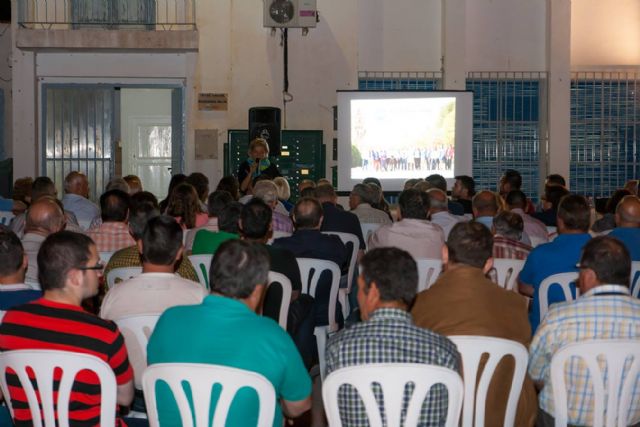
(208, 242)
(225, 330)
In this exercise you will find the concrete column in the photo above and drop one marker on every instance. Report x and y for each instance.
(559, 68)
(26, 149)
(453, 44)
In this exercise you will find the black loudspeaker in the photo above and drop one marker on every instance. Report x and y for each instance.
(264, 122)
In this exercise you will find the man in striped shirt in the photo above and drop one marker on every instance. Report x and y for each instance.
(69, 272)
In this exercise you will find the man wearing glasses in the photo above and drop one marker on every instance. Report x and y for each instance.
(69, 272)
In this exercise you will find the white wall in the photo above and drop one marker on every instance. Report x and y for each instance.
(5, 83)
(605, 33)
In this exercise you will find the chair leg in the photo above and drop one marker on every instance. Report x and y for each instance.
(321, 341)
(343, 298)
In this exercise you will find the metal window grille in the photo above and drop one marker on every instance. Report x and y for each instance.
(399, 80)
(605, 130)
(509, 126)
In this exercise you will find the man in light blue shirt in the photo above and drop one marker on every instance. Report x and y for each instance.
(76, 189)
(485, 207)
(225, 330)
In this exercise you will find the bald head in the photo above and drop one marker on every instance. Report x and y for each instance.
(485, 204)
(628, 212)
(76, 183)
(307, 214)
(438, 200)
(45, 217)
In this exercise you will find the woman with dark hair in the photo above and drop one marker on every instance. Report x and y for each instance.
(184, 206)
(176, 180)
(230, 184)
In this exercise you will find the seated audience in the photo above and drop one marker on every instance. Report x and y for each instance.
(379, 201)
(207, 242)
(361, 199)
(555, 179)
(113, 234)
(485, 207)
(604, 310)
(284, 192)
(225, 330)
(386, 289)
(230, 184)
(306, 183)
(184, 206)
(512, 180)
(134, 183)
(338, 220)
(558, 256)
(13, 265)
(44, 217)
(130, 256)
(507, 229)
(75, 200)
(267, 191)
(438, 181)
(176, 180)
(608, 220)
(464, 302)
(536, 230)
(201, 183)
(628, 225)
(117, 183)
(463, 191)
(439, 212)
(413, 232)
(215, 203)
(550, 201)
(69, 269)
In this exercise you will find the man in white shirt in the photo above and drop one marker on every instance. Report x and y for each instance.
(439, 211)
(76, 189)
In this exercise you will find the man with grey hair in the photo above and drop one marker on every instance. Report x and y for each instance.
(440, 212)
(360, 200)
(267, 191)
(507, 229)
(76, 189)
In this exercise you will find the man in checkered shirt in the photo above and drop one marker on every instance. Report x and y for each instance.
(386, 287)
(604, 310)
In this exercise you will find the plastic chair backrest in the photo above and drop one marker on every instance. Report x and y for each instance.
(349, 240)
(367, 230)
(634, 279)
(201, 379)
(121, 274)
(392, 378)
(507, 271)
(472, 348)
(136, 331)
(612, 388)
(201, 264)
(278, 234)
(285, 284)
(562, 279)
(6, 217)
(43, 364)
(428, 271)
(105, 257)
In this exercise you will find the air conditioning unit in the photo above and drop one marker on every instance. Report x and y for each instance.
(290, 13)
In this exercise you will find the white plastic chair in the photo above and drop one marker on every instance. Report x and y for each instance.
(634, 279)
(44, 363)
(507, 271)
(136, 331)
(392, 378)
(471, 349)
(105, 257)
(612, 389)
(428, 271)
(201, 264)
(121, 274)
(277, 235)
(343, 293)
(285, 284)
(6, 217)
(562, 279)
(310, 271)
(201, 379)
(367, 230)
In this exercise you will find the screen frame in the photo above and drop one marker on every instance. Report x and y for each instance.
(463, 162)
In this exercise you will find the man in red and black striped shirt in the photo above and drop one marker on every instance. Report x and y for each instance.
(69, 271)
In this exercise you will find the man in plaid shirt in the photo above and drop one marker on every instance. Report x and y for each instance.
(386, 287)
(604, 310)
(113, 234)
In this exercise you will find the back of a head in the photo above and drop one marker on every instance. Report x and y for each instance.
(184, 203)
(423, 186)
(284, 190)
(470, 243)
(22, 189)
(230, 184)
(410, 183)
(608, 258)
(114, 206)
(217, 201)
(11, 253)
(394, 272)
(554, 193)
(325, 193)
(306, 183)
(615, 198)
(513, 178)
(117, 183)
(509, 224)
(144, 197)
(556, 179)
(574, 212)
(229, 216)
(45, 215)
(201, 183)
(414, 204)
(59, 253)
(363, 192)
(237, 268)
(485, 203)
(256, 218)
(161, 240)
(437, 200)
(437, 181)
(139, 217)
(628, 212)
(134, 183)
(72, 181)
(372, 180)
(468, 183)
(308, 192)
(42, 186)
(307, 213)
(516, 199)
(266, 190)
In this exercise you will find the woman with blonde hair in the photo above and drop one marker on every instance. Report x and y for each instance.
(284, 192)
(257, 164)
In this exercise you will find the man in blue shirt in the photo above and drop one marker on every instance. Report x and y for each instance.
(13, 265)
(628, 225)
(558, 256)
(225, 330)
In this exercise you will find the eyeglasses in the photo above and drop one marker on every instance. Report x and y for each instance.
(98, 266)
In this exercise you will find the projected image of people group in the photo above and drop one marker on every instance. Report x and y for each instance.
(402, 138)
